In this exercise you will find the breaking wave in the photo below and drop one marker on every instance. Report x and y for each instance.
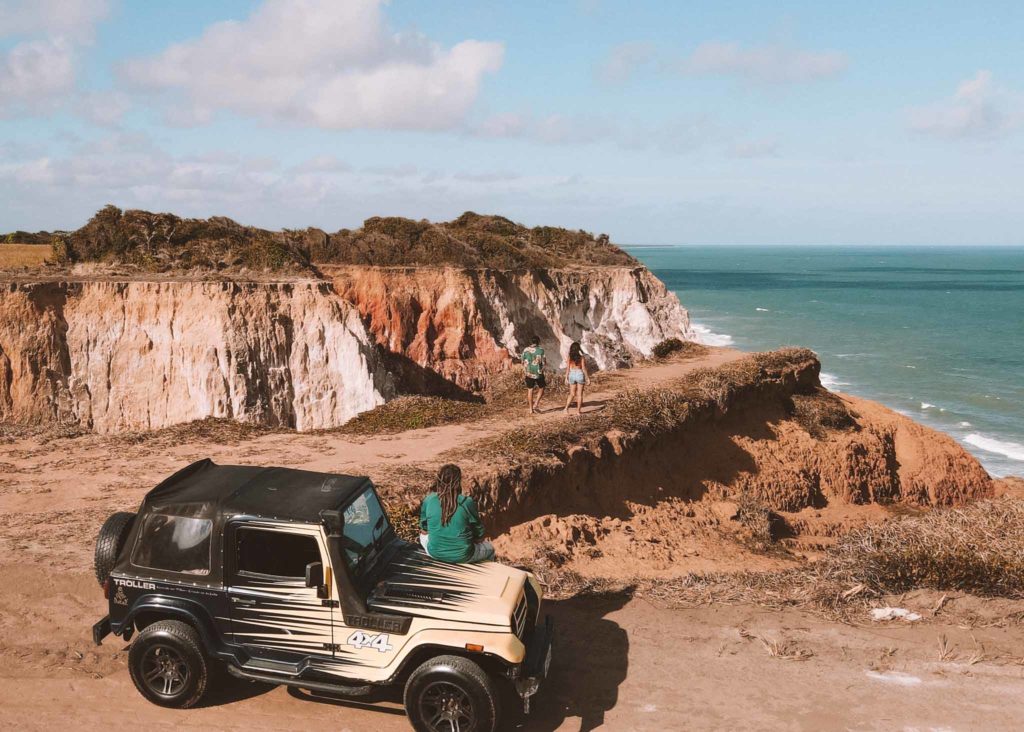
(1012, 450)
(709, 338)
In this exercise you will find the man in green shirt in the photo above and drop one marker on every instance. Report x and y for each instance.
(450, 523)
(533, 365)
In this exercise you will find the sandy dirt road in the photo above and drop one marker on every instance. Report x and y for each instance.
(621, 664)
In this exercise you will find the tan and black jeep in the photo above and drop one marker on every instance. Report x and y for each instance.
(295, 577)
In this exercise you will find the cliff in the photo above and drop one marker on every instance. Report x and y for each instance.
(114, 356)
(465, 325)
(134, 355)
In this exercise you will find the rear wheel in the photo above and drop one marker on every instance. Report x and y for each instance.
(167, 664)
(451, 694)
(109, 543)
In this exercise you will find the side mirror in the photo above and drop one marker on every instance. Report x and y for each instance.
(315, 575)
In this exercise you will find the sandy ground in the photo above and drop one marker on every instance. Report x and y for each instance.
(622, 663)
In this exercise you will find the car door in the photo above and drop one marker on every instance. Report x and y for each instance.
(274, 615)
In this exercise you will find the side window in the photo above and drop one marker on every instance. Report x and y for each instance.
(275, 553)
(174, 544)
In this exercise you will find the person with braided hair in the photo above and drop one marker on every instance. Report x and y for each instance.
(450, 523)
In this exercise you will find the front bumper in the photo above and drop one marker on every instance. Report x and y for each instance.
(537, 662)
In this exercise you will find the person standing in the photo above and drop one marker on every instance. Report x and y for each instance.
(533, 365)
(576, 377)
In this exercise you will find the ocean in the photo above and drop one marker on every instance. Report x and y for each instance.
(936, 333)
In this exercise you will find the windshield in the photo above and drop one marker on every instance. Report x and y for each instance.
(366, 525)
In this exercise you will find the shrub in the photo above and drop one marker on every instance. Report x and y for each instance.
(667, 347)
(411, 413)
(60, 251)
(649, 410)
(822, 411)
(977, 548)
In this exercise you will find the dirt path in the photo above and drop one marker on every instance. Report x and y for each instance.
(622, 663)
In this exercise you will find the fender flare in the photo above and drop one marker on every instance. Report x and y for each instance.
(175, 608)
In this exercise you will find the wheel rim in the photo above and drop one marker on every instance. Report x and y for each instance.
(444, 707)
(164, 671)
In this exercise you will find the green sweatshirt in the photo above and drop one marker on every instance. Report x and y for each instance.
(454, 542)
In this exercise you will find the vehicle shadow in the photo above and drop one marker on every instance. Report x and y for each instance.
(589, 662)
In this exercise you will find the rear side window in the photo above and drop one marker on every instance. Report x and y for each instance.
(275, 553)
(174, 544)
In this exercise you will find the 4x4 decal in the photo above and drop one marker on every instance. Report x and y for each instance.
(359, 639)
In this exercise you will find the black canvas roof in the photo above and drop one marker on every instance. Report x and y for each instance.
(205, 488)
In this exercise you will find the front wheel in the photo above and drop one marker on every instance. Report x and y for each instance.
(167, 664)
(451, 694)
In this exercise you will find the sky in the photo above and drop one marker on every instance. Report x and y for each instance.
(790, 122)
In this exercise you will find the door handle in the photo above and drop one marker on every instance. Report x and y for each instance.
(242, 601)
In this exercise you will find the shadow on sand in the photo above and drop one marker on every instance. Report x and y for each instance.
(590, 661)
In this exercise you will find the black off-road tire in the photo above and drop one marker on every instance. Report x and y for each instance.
(109, 543)
(168, 666)
(435, 683)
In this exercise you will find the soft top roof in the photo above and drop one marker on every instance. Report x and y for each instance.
(207, 489)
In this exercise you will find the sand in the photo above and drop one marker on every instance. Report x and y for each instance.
(622, 663)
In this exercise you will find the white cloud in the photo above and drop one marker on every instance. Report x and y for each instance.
(769, 64)
(38, 73)
(33, 73)
(980, 108)
(324, 63)
(623, 61)
(69, 18)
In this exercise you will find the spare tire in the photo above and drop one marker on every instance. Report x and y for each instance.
(110, 542)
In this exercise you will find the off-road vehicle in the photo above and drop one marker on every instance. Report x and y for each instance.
(298, 578)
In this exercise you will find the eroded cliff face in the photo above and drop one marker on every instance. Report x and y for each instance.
(465, 325)
(116, 356)
(137, 355)
(755, 447)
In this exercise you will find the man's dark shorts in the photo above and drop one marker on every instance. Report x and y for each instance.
(535, 382)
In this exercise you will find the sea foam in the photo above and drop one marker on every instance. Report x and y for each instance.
(708, 338)
(1012, 450)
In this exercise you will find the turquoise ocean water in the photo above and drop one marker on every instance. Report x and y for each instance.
(936, 333)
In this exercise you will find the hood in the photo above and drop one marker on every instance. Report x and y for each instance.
(418, 585)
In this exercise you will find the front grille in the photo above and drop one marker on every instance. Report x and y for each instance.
(519, 617)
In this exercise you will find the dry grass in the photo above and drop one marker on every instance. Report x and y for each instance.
(676, 347)
(15, 256)
(403, 516)
(649, 412)
(977, 549)
(822, 412)
(212, 430)
(411, 413)
(783, 650)
(757, 518)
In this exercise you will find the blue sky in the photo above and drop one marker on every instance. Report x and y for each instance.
(656, 122)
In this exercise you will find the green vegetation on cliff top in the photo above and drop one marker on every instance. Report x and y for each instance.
(164, 242)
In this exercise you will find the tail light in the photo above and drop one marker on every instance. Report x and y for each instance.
(106, 588)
